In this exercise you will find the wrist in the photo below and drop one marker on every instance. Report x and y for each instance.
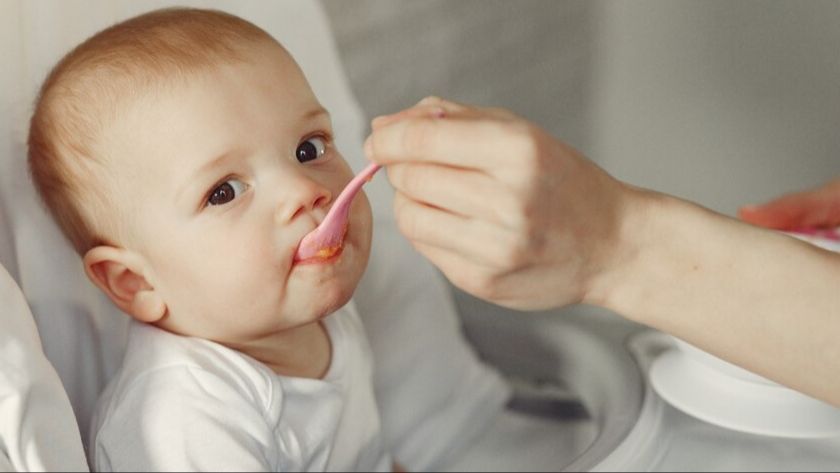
(636, 252)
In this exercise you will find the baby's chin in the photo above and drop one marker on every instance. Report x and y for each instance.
(306, 307)
(316, 290)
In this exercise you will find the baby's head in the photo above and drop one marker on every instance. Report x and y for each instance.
(185, 156)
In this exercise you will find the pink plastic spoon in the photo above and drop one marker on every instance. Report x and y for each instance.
(328, 239)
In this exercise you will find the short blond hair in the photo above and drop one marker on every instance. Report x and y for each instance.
(85, 90)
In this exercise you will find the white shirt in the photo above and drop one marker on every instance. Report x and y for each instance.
(188, 404)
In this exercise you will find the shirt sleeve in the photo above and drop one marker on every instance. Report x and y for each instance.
(188, 419)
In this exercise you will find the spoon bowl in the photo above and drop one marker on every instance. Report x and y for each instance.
(328, 239)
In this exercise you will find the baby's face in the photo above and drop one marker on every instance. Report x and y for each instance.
(218, 179)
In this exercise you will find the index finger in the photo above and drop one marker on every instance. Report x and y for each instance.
(468, 143)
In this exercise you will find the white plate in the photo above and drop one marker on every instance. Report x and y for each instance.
(825, 239)
(757, 408)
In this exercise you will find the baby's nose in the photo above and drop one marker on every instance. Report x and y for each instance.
(304, 198)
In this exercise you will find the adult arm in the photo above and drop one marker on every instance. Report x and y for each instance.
(514, 216)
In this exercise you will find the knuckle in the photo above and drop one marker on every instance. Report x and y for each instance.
(467, 283)
(489, 286)
(522, 210)
(532, 236)
(526, 139)
(528, 165)
(527, 209)
(477, 283)
(515, 253)
(468, 278)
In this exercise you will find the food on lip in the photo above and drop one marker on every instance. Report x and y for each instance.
(309, 252)
(323, 256)
(325, 253)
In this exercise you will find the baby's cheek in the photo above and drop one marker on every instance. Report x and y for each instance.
(245, 294)
(225, 280)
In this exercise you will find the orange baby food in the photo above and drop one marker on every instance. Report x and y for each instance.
(327, 252)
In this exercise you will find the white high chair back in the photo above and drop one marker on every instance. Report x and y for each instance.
(422, 360)
(37, 428)
(7, 253)
(38, 431)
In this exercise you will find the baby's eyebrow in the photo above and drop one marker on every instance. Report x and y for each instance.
(215, 162)
(316, 113)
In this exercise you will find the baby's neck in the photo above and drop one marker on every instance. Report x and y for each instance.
(302, 352)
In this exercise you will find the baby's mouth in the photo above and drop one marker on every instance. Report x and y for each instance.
(324, 256)
(325, 252)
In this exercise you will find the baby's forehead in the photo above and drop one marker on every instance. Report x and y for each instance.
(174, 128)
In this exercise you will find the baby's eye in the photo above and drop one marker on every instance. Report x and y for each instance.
(226, 192)
(311, 149)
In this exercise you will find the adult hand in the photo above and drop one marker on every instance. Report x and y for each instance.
(516, 217)
(506, 211)
(818, 208)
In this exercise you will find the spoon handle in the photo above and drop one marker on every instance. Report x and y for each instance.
(346, 197)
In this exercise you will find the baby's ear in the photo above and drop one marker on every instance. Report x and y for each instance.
(119, 274)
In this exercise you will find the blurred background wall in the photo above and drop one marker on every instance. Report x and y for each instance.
(721, 102)
(533, 56)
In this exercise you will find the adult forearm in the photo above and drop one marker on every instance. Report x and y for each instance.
(757, 298)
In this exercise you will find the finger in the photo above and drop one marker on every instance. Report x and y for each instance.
(464, 192)
(483, 145)
(437, 107)
(461, 109)
(787, 213)
(464, 273)
(418, 111)
(516, 290)
(450, 105)
(429, 226)
(432, 107)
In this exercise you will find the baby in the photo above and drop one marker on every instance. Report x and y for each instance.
(185, 156)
